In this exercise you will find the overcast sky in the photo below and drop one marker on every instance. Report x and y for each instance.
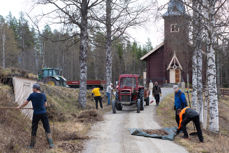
(152, 30)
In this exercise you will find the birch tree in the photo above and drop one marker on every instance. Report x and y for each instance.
(211, 26)
(213, 22)
(197, 84)
(108, 43)
(120, 16)
(210, 35)
(75, 14)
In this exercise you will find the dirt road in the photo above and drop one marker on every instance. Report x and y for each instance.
(112, 135)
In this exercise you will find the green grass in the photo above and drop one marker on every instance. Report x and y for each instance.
(214, 143)
(165, 111)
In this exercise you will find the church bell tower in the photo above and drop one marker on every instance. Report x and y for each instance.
(176, 38)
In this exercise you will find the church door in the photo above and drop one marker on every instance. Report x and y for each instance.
(172, 78)
(174, 75)
(177, 75)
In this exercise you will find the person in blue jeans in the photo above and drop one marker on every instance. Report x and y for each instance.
(39, 103)
(108, 93)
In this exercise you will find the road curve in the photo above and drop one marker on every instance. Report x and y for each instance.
(112, 135)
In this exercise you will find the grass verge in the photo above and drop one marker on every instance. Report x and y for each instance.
(214, 143)
(69, 122)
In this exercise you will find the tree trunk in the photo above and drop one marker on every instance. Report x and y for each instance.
(108, 43)
(96, 66)
(3, 48)
(205, 121)
(83, 54)
(196, 40)
(194, 80)
(200, 83)
(199, 63)
(211, 66)
(212, 87)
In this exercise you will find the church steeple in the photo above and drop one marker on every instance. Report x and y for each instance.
(175, 8)
(176, 39)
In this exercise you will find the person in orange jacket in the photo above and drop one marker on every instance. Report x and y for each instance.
(186, 115)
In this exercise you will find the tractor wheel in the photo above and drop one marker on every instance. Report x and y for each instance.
(138, 105)
(119, 106)
(51, 82)
(113, 106)
(141, 96)
(147, 101)
(142, 104)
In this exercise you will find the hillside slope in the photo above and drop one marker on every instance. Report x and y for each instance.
(69, 123)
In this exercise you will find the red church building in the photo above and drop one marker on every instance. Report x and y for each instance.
(171, 61)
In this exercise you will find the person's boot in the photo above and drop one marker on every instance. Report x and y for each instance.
(32, 142)
(185, 136)
(49, 139)
(201, 139)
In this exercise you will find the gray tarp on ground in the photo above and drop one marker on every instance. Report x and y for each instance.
(171, 133)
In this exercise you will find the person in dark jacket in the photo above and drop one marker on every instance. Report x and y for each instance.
(180, 102)
(156, 92)
(39, 103)
(186, 115)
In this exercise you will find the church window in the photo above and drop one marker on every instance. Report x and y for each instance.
(174, 28)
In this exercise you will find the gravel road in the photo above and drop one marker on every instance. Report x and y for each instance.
(112, 135)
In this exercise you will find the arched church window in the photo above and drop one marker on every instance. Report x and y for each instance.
(174, 28)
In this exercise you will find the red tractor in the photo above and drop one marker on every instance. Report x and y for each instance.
(129, 92)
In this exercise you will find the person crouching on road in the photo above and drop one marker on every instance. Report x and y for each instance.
(97, 97)
(109, 92)
(186, 115)
(157, 93)
(39, 104)
(180, 102)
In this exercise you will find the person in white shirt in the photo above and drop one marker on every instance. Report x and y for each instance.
(108, 92)
(151, 87)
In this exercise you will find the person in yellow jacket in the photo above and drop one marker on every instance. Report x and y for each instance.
(186, 115)
(97, 97)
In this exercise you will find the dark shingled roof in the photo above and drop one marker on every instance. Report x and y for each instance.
(175, 8)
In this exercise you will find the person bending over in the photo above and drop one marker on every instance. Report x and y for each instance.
(186, 115)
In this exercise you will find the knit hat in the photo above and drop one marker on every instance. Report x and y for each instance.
(175, 87)
(36, 86)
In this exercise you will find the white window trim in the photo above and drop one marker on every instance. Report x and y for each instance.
(174, 25)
